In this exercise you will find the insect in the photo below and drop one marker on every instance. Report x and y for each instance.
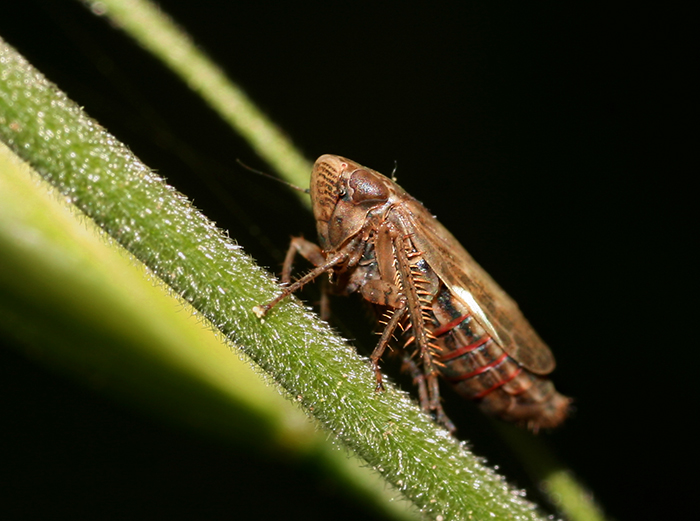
(450, 316)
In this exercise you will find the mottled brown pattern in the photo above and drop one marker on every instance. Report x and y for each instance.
(452, 318)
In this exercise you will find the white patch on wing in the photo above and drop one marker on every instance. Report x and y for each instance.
(476, 310)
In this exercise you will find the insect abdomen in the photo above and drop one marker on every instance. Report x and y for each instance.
(478, 369)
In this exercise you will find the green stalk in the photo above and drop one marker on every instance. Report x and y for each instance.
(316, 369)
(74, 300)
(159, 35)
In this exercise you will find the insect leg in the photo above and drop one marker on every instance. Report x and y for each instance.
(307, 249)
(411, 367)
(384, 340)
(312, 253)
(338, 258)
(324, 307)
(420, 332)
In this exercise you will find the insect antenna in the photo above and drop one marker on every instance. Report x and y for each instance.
(265, 174)
(393, 172)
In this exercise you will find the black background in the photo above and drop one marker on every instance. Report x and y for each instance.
(547, 138)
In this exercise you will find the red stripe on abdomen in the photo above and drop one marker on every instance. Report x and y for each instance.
(480, 370)
(463, 350)
(439, 331)
(498, 384)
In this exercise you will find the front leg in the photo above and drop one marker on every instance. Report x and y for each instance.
(309, 250)
(304, 247)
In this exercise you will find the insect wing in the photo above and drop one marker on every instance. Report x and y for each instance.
(495, 311)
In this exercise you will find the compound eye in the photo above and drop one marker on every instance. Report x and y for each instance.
(367, 187)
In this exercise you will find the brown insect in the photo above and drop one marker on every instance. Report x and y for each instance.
(377, 240)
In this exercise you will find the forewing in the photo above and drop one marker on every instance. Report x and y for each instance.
(489, 304)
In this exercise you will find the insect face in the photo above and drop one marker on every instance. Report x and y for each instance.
(345, 197)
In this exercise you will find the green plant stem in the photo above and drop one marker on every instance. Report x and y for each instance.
(554, 479)
(75, 301)
(317, 369)
(158, 34)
